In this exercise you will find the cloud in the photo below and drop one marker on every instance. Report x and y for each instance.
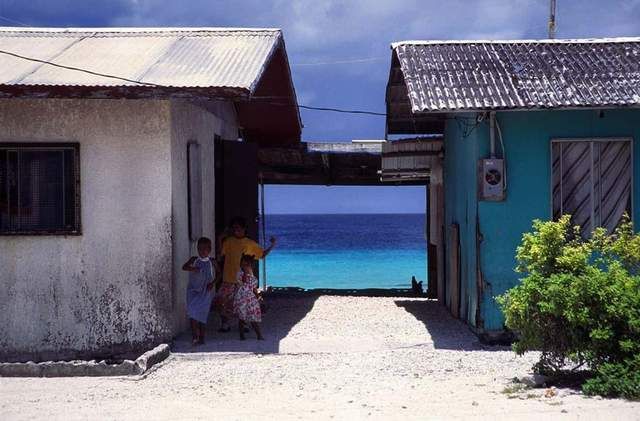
(342, 30)
(65, 12)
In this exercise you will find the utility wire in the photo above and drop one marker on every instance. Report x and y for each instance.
(350, 61)
(459, 120)
(339, 110)
(6, 19)
(79, 69)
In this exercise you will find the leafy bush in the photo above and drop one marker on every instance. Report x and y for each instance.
(579, 302)
(616, 379)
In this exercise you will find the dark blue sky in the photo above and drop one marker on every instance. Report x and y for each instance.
(339, 53)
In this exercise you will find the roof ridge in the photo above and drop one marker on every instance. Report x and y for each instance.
(520, 41)
(131, 30)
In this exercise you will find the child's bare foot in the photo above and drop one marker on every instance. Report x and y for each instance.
(195, 342)
(260, 337)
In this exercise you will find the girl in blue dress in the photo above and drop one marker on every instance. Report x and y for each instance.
(200, 289)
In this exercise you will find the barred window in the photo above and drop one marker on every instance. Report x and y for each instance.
(39, 189)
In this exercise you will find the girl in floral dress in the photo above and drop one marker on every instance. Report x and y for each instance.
(246, 303)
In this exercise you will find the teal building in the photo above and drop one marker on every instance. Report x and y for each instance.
(531, 130)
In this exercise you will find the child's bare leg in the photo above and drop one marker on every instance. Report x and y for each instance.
(195, 331)
(224, 324)
(256, 327)
(202, 328)
(241, 329)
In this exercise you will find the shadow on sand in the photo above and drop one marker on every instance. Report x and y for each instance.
(283, 313)
(445, 331)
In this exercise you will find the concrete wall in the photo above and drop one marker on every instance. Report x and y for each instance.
(118, 286)
(191, 123)
(527, 138)
(109, 288)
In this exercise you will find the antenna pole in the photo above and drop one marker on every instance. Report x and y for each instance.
(552, 19)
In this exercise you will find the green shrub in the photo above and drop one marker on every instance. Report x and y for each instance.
(579, 301)
(616, 379)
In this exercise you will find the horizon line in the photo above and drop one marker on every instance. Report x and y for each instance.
(347, 213)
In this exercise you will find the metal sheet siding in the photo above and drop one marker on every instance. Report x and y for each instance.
(205, 58)
(449, 76)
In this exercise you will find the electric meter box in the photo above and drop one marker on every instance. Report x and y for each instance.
(491, 179)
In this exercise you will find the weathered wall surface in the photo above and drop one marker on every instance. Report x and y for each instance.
(191, 123)
(527, 138)
(460, 160)
(108, 289)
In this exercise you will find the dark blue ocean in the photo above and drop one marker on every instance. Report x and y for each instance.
(347, 251)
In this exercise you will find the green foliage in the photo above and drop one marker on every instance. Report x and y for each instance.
(579, 301)
(616, 379)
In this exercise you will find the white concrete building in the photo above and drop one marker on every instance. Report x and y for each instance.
(108, 177)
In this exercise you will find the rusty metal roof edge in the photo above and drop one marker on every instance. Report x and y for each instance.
(223, 93)
(397, 44)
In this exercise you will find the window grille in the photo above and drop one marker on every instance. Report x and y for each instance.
(39, 189)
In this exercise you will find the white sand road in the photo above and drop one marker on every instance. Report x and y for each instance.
(324, 358)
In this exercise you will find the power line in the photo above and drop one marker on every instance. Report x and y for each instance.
(306, 107)
(340, 110)
(79, 69)
(349, 61)
(6, 19)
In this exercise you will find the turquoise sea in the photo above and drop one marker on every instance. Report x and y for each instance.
(347, 251)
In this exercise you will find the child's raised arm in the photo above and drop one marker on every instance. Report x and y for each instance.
(188, 266)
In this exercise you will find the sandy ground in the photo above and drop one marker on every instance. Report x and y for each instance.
(324, 358)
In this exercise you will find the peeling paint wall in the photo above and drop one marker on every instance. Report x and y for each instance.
(460, 185)
(191, 123)
(107, 290)
(527, 141)
(118, 286)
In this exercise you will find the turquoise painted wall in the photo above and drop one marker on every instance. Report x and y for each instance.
(461, 154)
(527, 137)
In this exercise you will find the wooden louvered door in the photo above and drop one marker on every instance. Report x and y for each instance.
(592, 181)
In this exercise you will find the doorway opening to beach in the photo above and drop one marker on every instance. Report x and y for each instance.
(331, 193)
(346, 237)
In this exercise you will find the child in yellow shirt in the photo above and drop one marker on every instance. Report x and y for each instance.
(233, 248)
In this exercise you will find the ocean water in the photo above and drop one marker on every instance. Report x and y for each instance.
(347, 251)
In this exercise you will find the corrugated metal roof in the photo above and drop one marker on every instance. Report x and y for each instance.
(173, 57)
(479, 75)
